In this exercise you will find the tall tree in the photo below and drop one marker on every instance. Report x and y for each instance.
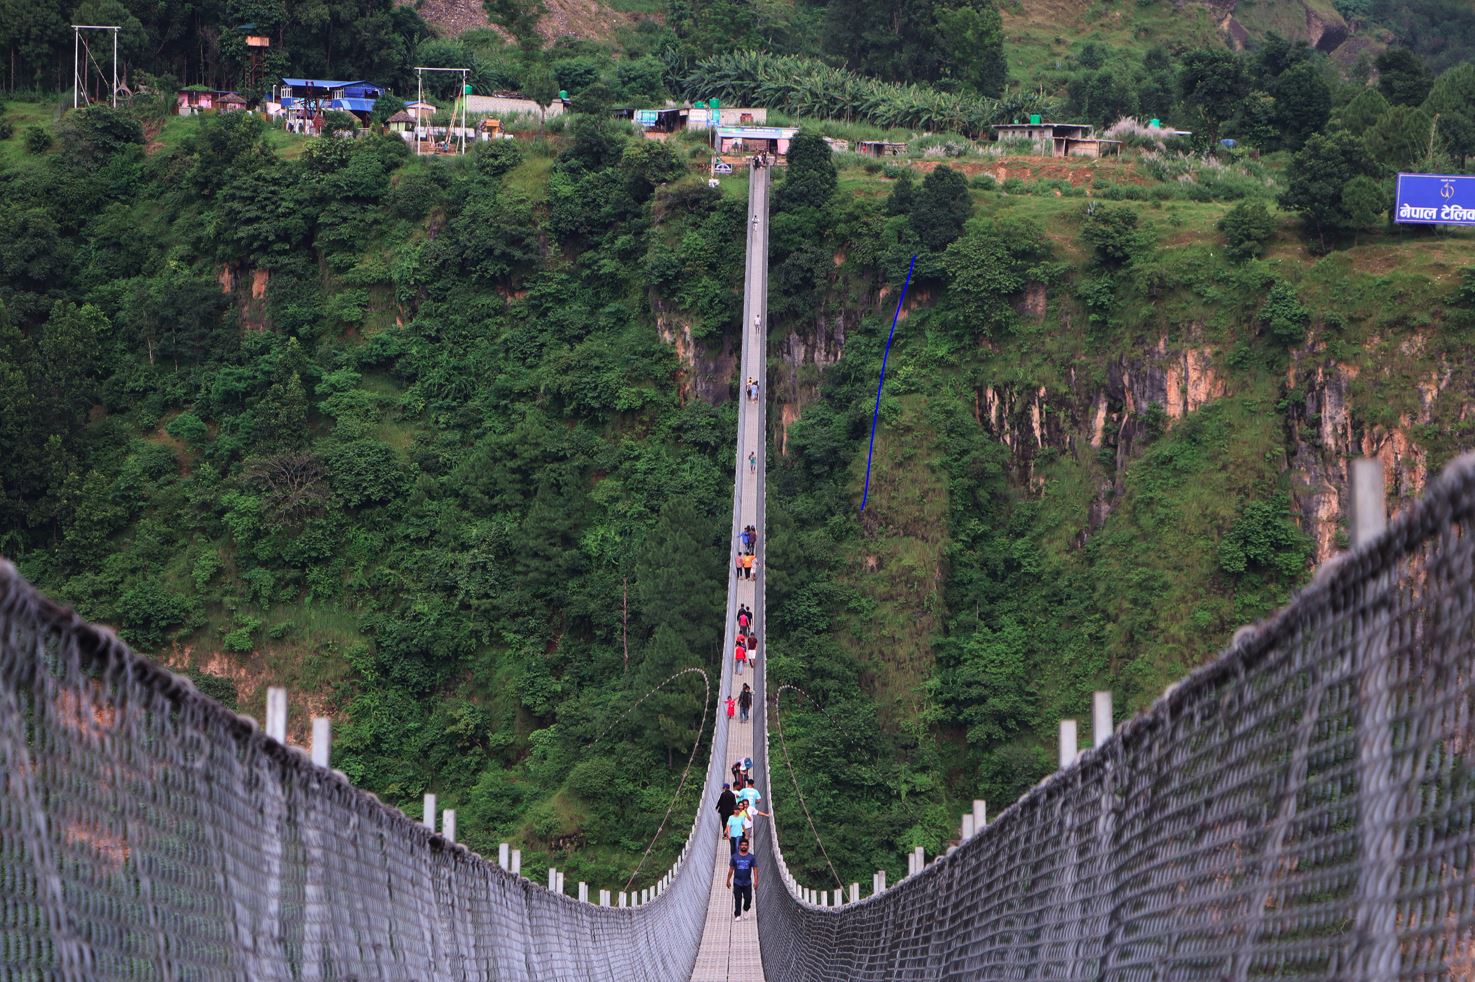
(1212, 81)
(942, 208)
(1402, 77)
(972, 36)
(811, 178)
(1317, 178)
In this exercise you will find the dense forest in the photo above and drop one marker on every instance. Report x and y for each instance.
(442, 443)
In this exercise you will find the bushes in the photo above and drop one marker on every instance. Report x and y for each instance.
(1247, 228)
(1112, 234)
(1283, 316)
(38, 140)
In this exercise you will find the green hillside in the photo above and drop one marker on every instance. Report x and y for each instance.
(442, 443)
(441, 446)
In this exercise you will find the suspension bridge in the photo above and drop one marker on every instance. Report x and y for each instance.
(1302, 807)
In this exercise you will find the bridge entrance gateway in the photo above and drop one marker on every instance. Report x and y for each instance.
(730, 948)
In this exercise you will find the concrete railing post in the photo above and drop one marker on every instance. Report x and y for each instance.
(516, 869)
(919, 860)
(322, 741)
(429, 813)
(276, 713)
(560, 881)
(980, 815)
(604, 898)
(552, 879)
(504, 855)
(966, 828)
(624, 899)
(448, 824)
(583, 892)
(1067, 742)
(854, 892)
(881, 881)
(1369, 512)
(1383, 808)
(1101, 722)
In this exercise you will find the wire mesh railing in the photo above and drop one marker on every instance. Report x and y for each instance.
(1303, 807)
(147, 832)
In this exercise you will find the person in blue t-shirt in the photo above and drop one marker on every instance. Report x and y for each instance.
(750, 795)
(736, 826)
(742, 877)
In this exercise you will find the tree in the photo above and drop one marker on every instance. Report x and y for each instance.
(1359, 115)
(1457, 134)
(1365, 201)
(1303, 103)
(811, 179)
(903, 195)
(90, 136)
(1111, 232)
(1212, 81)
(1402, 77)
(384, 107)
(1402, 139)
(942, 208)
(1453, 91)
(1283, 315)
(972, 35)
(1102, 96)
(987, 268)
(1316, 178)
(1247, 227)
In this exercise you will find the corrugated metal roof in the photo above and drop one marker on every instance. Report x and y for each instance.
(355, 105)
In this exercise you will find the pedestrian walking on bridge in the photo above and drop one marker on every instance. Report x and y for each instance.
(726, 805)
(745, 701)
(742, 876)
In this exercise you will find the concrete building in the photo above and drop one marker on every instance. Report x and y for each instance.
(880, 148)
(1058, 139)
(504, 104)
(701, 117)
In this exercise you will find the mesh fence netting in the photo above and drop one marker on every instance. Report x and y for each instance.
(148, 833)
(1304, 807)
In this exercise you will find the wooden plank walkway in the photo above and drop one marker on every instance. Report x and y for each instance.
(729, 948)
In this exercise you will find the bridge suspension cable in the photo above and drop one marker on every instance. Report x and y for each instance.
(794, 779)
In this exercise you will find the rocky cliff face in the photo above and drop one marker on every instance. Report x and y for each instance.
(1328, 426)
(1324, 426)
(707, 370)
(1324, 29)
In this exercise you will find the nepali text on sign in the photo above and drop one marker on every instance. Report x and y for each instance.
(1435, 199)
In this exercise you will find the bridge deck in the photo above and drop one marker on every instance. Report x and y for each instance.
(729, 948)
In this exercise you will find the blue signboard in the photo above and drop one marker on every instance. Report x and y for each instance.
(1435, 199)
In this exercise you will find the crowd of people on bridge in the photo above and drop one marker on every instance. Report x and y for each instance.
(736, 810)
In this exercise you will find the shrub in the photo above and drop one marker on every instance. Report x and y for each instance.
(38, 139)
(1113, 235)
(1283, 316)
(1247, 228)
(217, 687)
(189, 428)
(496, 157)
(7, 128)
(336, 121)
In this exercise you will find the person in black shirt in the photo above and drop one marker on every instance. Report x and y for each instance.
(726, 805)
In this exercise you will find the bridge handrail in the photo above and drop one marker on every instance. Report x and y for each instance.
(1303, 806)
